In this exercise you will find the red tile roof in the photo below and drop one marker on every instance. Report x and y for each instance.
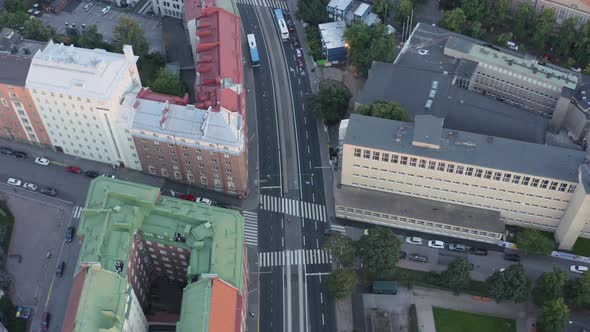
(146, 93)
(224, 316)
(76, 292)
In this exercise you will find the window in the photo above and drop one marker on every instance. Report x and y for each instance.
(422, 163)
(497, 176)
(562, 187)
(394, 158)
(413, 162)
(366, 154)
(451, 168)
(431, 165)
(385, 157)
(177, 175)
(152, 169)
(544, 184)
(376, 155)
(441, 167)
(553, 186)
(460, 169)
(403, 160)
(526, 180)
(357, 152)
(535, 183)
(164, 171)
(507, 177)
(516, 179)
(201, 165)
(226, 156)
(571, 188)
(469, 171)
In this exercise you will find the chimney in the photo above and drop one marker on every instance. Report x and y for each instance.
(128, 51)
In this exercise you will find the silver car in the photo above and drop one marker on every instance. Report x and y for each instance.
(14, 182)
(30, 186)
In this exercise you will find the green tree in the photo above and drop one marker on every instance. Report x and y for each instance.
(453, 20)
(477, 30)
(12, 20)
(90, 38)
(367, 44)
(533, 242)
(14, 6)
(474, 10)
(385, 110)
(128, 32)
(581, 52)
(549, 286)
(511, 284)
(402, 10)
(341, 247)
(34, 29)
(448, 4)
(313, 12)
(567, 36)
(544, 25)
(314, 42)
(341, 283)
(167, 83)
(379, 250)
(502, 38)
(456, 277)
(577, 291)
(523, 19)
(553, 316)
(331, 102)
(498, 12)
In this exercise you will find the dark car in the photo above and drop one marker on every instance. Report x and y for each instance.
(73, 169)
(300, 63)
(48, 191)
(6, 152)
(45, 321)
(402, 254)
(512, 257)
(479, 251)
(59, 270)
(91, 174)
(19, 155)
(70, 234)
(419, 258)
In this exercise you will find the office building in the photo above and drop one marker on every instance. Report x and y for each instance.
(131, 237)
(453, 182)
(77, 91)
(564, 9)
(172, 8)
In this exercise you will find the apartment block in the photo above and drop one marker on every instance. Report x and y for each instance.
(530, 185)
(132, 236)
(564, 9)
(172, 8)
(77, 92)
(19, 119)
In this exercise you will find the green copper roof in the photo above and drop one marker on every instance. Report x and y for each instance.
(196, 306)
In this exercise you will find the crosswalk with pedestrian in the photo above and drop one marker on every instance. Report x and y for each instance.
(77, 212)
(250, 228)
(265, 3)
(294, 257)
(293, 207)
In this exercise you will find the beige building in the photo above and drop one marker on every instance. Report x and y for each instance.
(564, 9)
(530, 185)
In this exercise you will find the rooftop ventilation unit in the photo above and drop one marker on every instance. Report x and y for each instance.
(119, 266)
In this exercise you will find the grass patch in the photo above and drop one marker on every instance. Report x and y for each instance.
(431, 280)
(447, 320)
(6, 221)
(414, 319)
(582, 247)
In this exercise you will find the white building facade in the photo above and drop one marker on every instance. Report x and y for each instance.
(173, 8)
(78, 93)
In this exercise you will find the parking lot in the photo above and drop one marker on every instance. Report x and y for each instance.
(151, 26)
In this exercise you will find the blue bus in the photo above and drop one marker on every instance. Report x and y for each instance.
(282, 24)
(254, 56)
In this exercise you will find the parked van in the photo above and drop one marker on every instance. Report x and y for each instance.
(419, 258)
(384, 287)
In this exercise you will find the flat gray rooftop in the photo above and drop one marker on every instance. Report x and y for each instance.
(419, 208)
(468, 148)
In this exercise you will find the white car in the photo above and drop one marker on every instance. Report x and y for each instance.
(423, 52)
(436, 244)
(298, 52)
(576, 69)
(512, 45)
(42, 161)
(414, 240)
(578, 269)
(203, 200)
(88, 6)
(30, 186)
(14, 182)
(105, 10)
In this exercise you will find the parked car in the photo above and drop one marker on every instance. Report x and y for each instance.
(457, 247)
(59, 270)
(512, 45)
(478, 251)
(188, 197)
(73, 169)
(19, 155)
(419, 258)
(14, 182)
(578, 269)
(109, 176)
(88, 6)
(203, 200)
(300, 63)
(24, 312)
(512, 257)
(42, 161)
(436, 244)
(423, 52)
(30, 186)
(70, 234)
(384, 287)
(91, 174)
(105, 10)
(48, 191)
(576, 69)
(414, 240)
(45, 321)
(6, 151)
(298, 52)
(402, 254)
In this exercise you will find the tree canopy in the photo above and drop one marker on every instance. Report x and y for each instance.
(313, 12)
(533, 242)
(553, 316)
(91, 38)
(367, 44)
(128, 32)
(511, 284)
(12, 20)
(379, 250)
(341, 247)
(577, 291)
(341, 283)
(35, 29)
(544, 25)
(549, 286)
(331, 102)
(456, 277)
(385, 110)
(167, 83)
(453, 20)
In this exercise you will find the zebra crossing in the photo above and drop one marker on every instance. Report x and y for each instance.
(293, 207)
(338, 228)
(77, 212)
(265, 3)
(250, 228)
(294, 257)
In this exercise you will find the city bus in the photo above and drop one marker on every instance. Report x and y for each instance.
(282, 24)
(254, 56)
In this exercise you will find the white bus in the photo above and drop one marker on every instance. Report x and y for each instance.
(282, 24)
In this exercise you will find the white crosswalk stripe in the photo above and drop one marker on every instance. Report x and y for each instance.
(293, 207)
(77, 212)
(250, 228)
(265, 3)
(338, 228)
(294, 257)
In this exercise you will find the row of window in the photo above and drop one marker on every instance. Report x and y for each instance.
(404, 220)
(465, 170)
(182, 147)
(512, 97)
(514, 85)
(521, 77)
